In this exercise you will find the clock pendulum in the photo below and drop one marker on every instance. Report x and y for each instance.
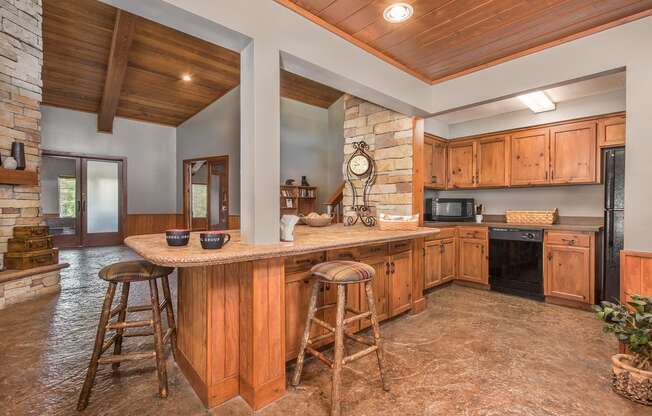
(361, 166)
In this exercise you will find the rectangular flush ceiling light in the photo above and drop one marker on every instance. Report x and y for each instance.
(538, 101)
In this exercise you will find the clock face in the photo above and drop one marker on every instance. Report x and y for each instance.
(359, 165)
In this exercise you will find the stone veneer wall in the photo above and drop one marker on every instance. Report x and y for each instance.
(21, 60)
(389, 135)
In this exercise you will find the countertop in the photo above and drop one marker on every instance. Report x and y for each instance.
(154, 248)
(588, 224)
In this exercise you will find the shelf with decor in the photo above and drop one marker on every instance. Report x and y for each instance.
(18, 177)
(298, 200)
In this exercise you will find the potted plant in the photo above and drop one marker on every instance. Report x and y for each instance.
(632, 326)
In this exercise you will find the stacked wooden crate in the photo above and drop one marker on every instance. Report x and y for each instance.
(32, 246)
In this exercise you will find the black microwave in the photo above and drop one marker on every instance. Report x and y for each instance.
(449, 209)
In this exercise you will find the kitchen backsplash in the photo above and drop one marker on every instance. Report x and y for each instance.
(575, 201)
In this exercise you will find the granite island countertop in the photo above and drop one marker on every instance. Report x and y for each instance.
(154, 248)
(587, 224)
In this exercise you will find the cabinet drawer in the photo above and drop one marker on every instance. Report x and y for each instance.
(568, 239)
(473, 232)
(443, 233)
(375, 250)
(343, 254)
(303, 262)
(400, 246)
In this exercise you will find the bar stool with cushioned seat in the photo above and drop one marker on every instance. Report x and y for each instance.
(340, 273)
(126, 273)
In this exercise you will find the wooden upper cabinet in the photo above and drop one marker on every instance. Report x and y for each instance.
(611, 131)
(461, 165)
(573, 153)
(434, 157)
(492, 162)
(530, 157)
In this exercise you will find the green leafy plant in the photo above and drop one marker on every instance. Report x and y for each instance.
(632, 326)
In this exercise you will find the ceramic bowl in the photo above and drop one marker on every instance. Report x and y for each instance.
(177, 238)
(320, 221)
(211, 240)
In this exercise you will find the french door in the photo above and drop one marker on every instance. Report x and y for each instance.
(91, 199)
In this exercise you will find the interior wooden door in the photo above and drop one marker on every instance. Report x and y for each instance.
(568, 273)
(530, 157)
(492, 162)
(448, 259)
(461, 165)
(400, 283)
(471, 260)
(433, 263)
(381, 290)
(103, 202)
(206, 193)
(573, 153)
(218, 194)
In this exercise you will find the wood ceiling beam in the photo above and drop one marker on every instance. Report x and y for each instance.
(123, 35)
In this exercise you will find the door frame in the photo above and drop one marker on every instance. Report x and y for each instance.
(122, 203)
(187, 214)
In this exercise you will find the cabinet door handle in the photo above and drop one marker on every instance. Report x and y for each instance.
(549, 256)
(393, 268)
(387, 268)
(442, 248)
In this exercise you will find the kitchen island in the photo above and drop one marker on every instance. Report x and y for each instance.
(231, 328)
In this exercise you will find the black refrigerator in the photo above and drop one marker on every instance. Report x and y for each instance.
(614, 221)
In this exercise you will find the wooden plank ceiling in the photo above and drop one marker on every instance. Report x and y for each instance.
(79, 74)
(447, 38)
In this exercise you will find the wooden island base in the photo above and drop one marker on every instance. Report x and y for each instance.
(230, 337)
(232, 311)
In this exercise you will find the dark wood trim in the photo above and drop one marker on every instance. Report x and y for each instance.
(123, 35)
(18, 177)
(123, 192)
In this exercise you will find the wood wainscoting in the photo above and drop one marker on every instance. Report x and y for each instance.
(152, 223)
(635, 273)
(138, 224)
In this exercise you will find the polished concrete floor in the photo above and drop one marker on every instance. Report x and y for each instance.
(470, 353)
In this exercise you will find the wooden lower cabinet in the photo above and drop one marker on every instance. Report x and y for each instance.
(381, 290)
(473, 263)
(400, 283)
(298, 287)
(569, 268)
(441, 262)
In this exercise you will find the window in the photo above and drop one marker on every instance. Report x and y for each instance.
(67, 197)
(199, 200)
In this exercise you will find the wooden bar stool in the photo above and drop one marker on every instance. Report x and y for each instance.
(126, 273)
(340, 273)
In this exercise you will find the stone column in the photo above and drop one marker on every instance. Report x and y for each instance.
(21, 59)
(260, 143)
(389, 135)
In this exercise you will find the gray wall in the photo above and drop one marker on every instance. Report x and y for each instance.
(214, 131)
(150, 150)
(573, 201)
(583, 107)
(305, 145)
(312, 140)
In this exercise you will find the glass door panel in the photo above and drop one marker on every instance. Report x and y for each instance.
(60, 199)
(101, 202)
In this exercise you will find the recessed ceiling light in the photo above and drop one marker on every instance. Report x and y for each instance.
(186, 77)
(398, 12)
(538, 101)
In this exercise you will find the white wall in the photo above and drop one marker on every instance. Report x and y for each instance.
(437, 127)
(214, 131)
(572, 201)
(150, 150)
(583, 107)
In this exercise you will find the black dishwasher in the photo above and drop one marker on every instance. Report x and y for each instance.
(516, 261)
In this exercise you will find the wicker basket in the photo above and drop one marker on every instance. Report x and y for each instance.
(548, 217)
(393, 223)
